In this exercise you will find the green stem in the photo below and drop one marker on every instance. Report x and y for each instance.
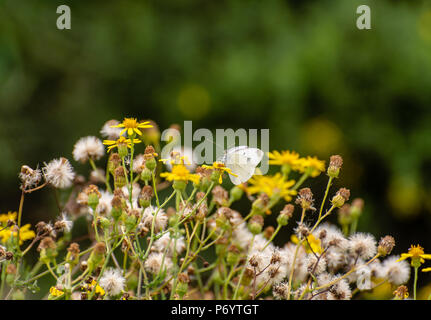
(354, 225)
(325, 196)
(155, 189)
(273, 236)
(243, 270)
(415, 283)
(300, 181)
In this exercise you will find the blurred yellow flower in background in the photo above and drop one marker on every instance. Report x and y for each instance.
(24, 234)
(290, 158)
(312, 165)
(312, 244)
(5, 217)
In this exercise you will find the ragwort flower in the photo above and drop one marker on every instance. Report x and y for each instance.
(132, 126)
(221, 168)
(272, 185)
(417, 255)
(120, 142)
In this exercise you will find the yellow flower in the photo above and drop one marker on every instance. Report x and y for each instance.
(119, 142)
(221, 168)
(417, 254)
(426, 269)
(272, 185)
(312, 165)
(290, 158)
(180, 173)
(89, 288)
(24, 234)
(4, 218)
(131, 125)
(55, 292)
(312, 245)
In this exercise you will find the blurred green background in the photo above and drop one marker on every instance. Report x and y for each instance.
(300, 68)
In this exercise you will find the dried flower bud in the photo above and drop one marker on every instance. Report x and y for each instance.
(97, 256)
(281, 291)
(83, 266)
(11, 269)
(236, 193)
(202, 210)
(120, 177)
(356, 208)
(9, 255)
(114, 162)
(256, 224)
(386, 244)
(302, 231)
(401, 293)
(335, 163)
(41, 227)
(232, 254)
(74, 248)
(268, 232)
(150, 162)
(47, 243)
(276, 257)
(340, 197)
(220, 196)
(253, 261)
(344, 215)
(145, 196)
(322, 234)
(93, 195)
(259, 205)
(305, 199)
(182, 285)
(285, 214)
(48, 249)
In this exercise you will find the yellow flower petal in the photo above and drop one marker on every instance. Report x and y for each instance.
(138, 131)
(404, 256)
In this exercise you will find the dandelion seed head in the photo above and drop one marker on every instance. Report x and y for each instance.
(315, 266)
(155, 260)
(362, 245)
(88, 148)
(110, 133)
(160, 221)
(30, 177)
(59, 173)
(397, 272)
(112, 282)
(165, 240)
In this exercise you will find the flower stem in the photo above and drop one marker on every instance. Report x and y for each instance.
(325, 196)
(273, 236)
(415, 283)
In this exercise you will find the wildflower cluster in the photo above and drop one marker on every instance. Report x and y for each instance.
(167, 229)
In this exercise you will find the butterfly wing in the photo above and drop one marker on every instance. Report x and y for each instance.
(242, 161)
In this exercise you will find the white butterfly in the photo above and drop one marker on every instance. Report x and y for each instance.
(242, 161)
